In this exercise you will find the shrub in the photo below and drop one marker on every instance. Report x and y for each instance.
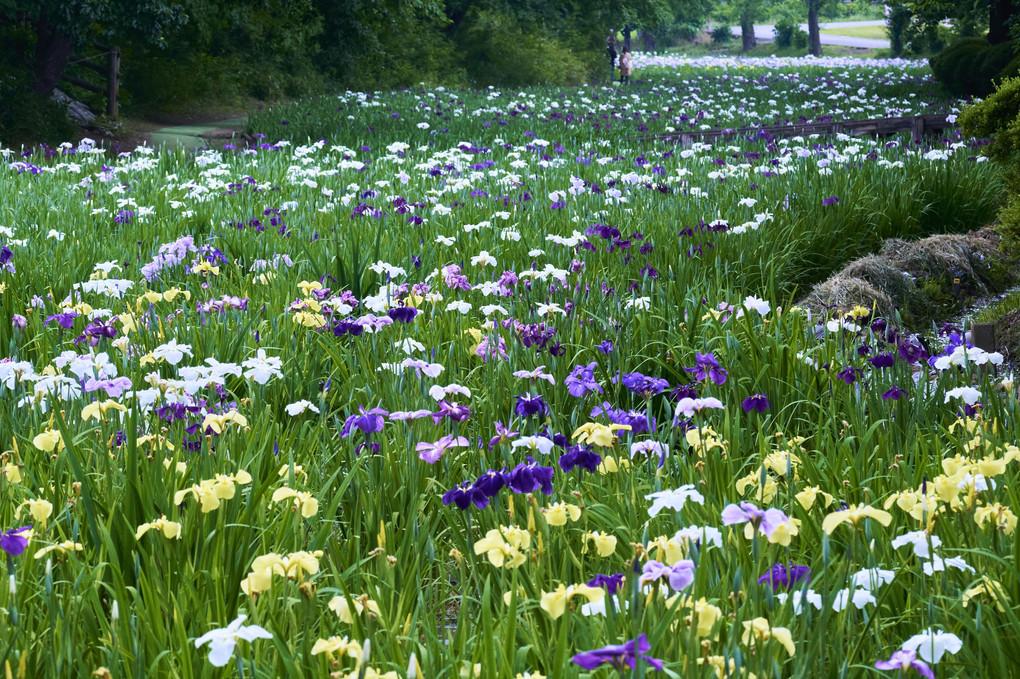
(998, 116)
(27, 118)
(721, 35)
(495, 49)
(800, 39)
(970, 65)
(784, 31)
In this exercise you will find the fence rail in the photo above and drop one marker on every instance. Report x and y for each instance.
(918, 126)
(110, 69)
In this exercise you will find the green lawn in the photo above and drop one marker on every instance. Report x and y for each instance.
(874, 32)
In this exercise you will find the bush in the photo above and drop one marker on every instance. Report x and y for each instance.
(496, 50)
(721, 35)
(800, 39)
(998, 116)
(27, 118)
(969, 66)
(783, 32)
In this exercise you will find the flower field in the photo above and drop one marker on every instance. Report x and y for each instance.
(479, 384)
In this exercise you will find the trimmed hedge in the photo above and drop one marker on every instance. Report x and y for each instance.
(970, 66)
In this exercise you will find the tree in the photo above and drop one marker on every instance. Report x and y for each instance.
(814, 34)
(62, 26)
(1000, 14)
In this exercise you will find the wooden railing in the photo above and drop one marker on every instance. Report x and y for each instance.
(109, 70)
(918, 126)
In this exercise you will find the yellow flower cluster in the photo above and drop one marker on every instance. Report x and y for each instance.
(557, 514)
(342, 608)
(302, 501)
(151, 297)
(294, 566)
(308, 312)
(601, 435)
(555, 603)
(704, 440)
(211, 491)
(702, 614)
(169, 529)
(504, 546)
(605, 545)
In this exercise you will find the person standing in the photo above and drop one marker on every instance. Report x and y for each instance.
(611, 48)
(626, 64)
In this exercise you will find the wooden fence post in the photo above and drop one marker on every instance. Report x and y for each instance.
(113, 82)
(917, 129)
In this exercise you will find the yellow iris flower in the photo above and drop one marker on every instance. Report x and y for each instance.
(855, 514)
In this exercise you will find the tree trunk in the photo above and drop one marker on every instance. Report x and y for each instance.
(626, 36)
(648, 40)
(814, 35)
(52, 52)
(999, 14)
(747, 39)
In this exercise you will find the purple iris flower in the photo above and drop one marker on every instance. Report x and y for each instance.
(886, 360)
(759, 402)
(19, 321)
(527, 478)
(619, 656)
(347, 327)
(612, 583)
(972, 410)
(606, 347)
(491, 482)
(766, 520)
(581, 380)
(895, 393)
(65, 321)
(680, 575)
(503, 433)
(455, 412)
(706, 366)
(683, 391)
(902, 660)
(580, 456)
(115, 387)
(644, 385)
(13, 542)
(528, 405)
(912, 353)
(175, 411)
(466, 495)
(404, 314)
(98, 330)
(830, 201)
(368, 421)
(850, 374)
(783, 576)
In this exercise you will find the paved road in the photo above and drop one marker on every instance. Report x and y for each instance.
(764, 34)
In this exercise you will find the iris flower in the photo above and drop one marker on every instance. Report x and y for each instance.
(222, 641)
(14, 541)
(765, 520)
(431, 452)
(619, 656)
(931, 644)
(903, 660)
(673, 499)
(706, 366)
(855, 514)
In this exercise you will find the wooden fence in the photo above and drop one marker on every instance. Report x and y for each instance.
(918, 126)
(109, 68)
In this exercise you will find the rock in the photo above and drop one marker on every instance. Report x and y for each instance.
(77, 112)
